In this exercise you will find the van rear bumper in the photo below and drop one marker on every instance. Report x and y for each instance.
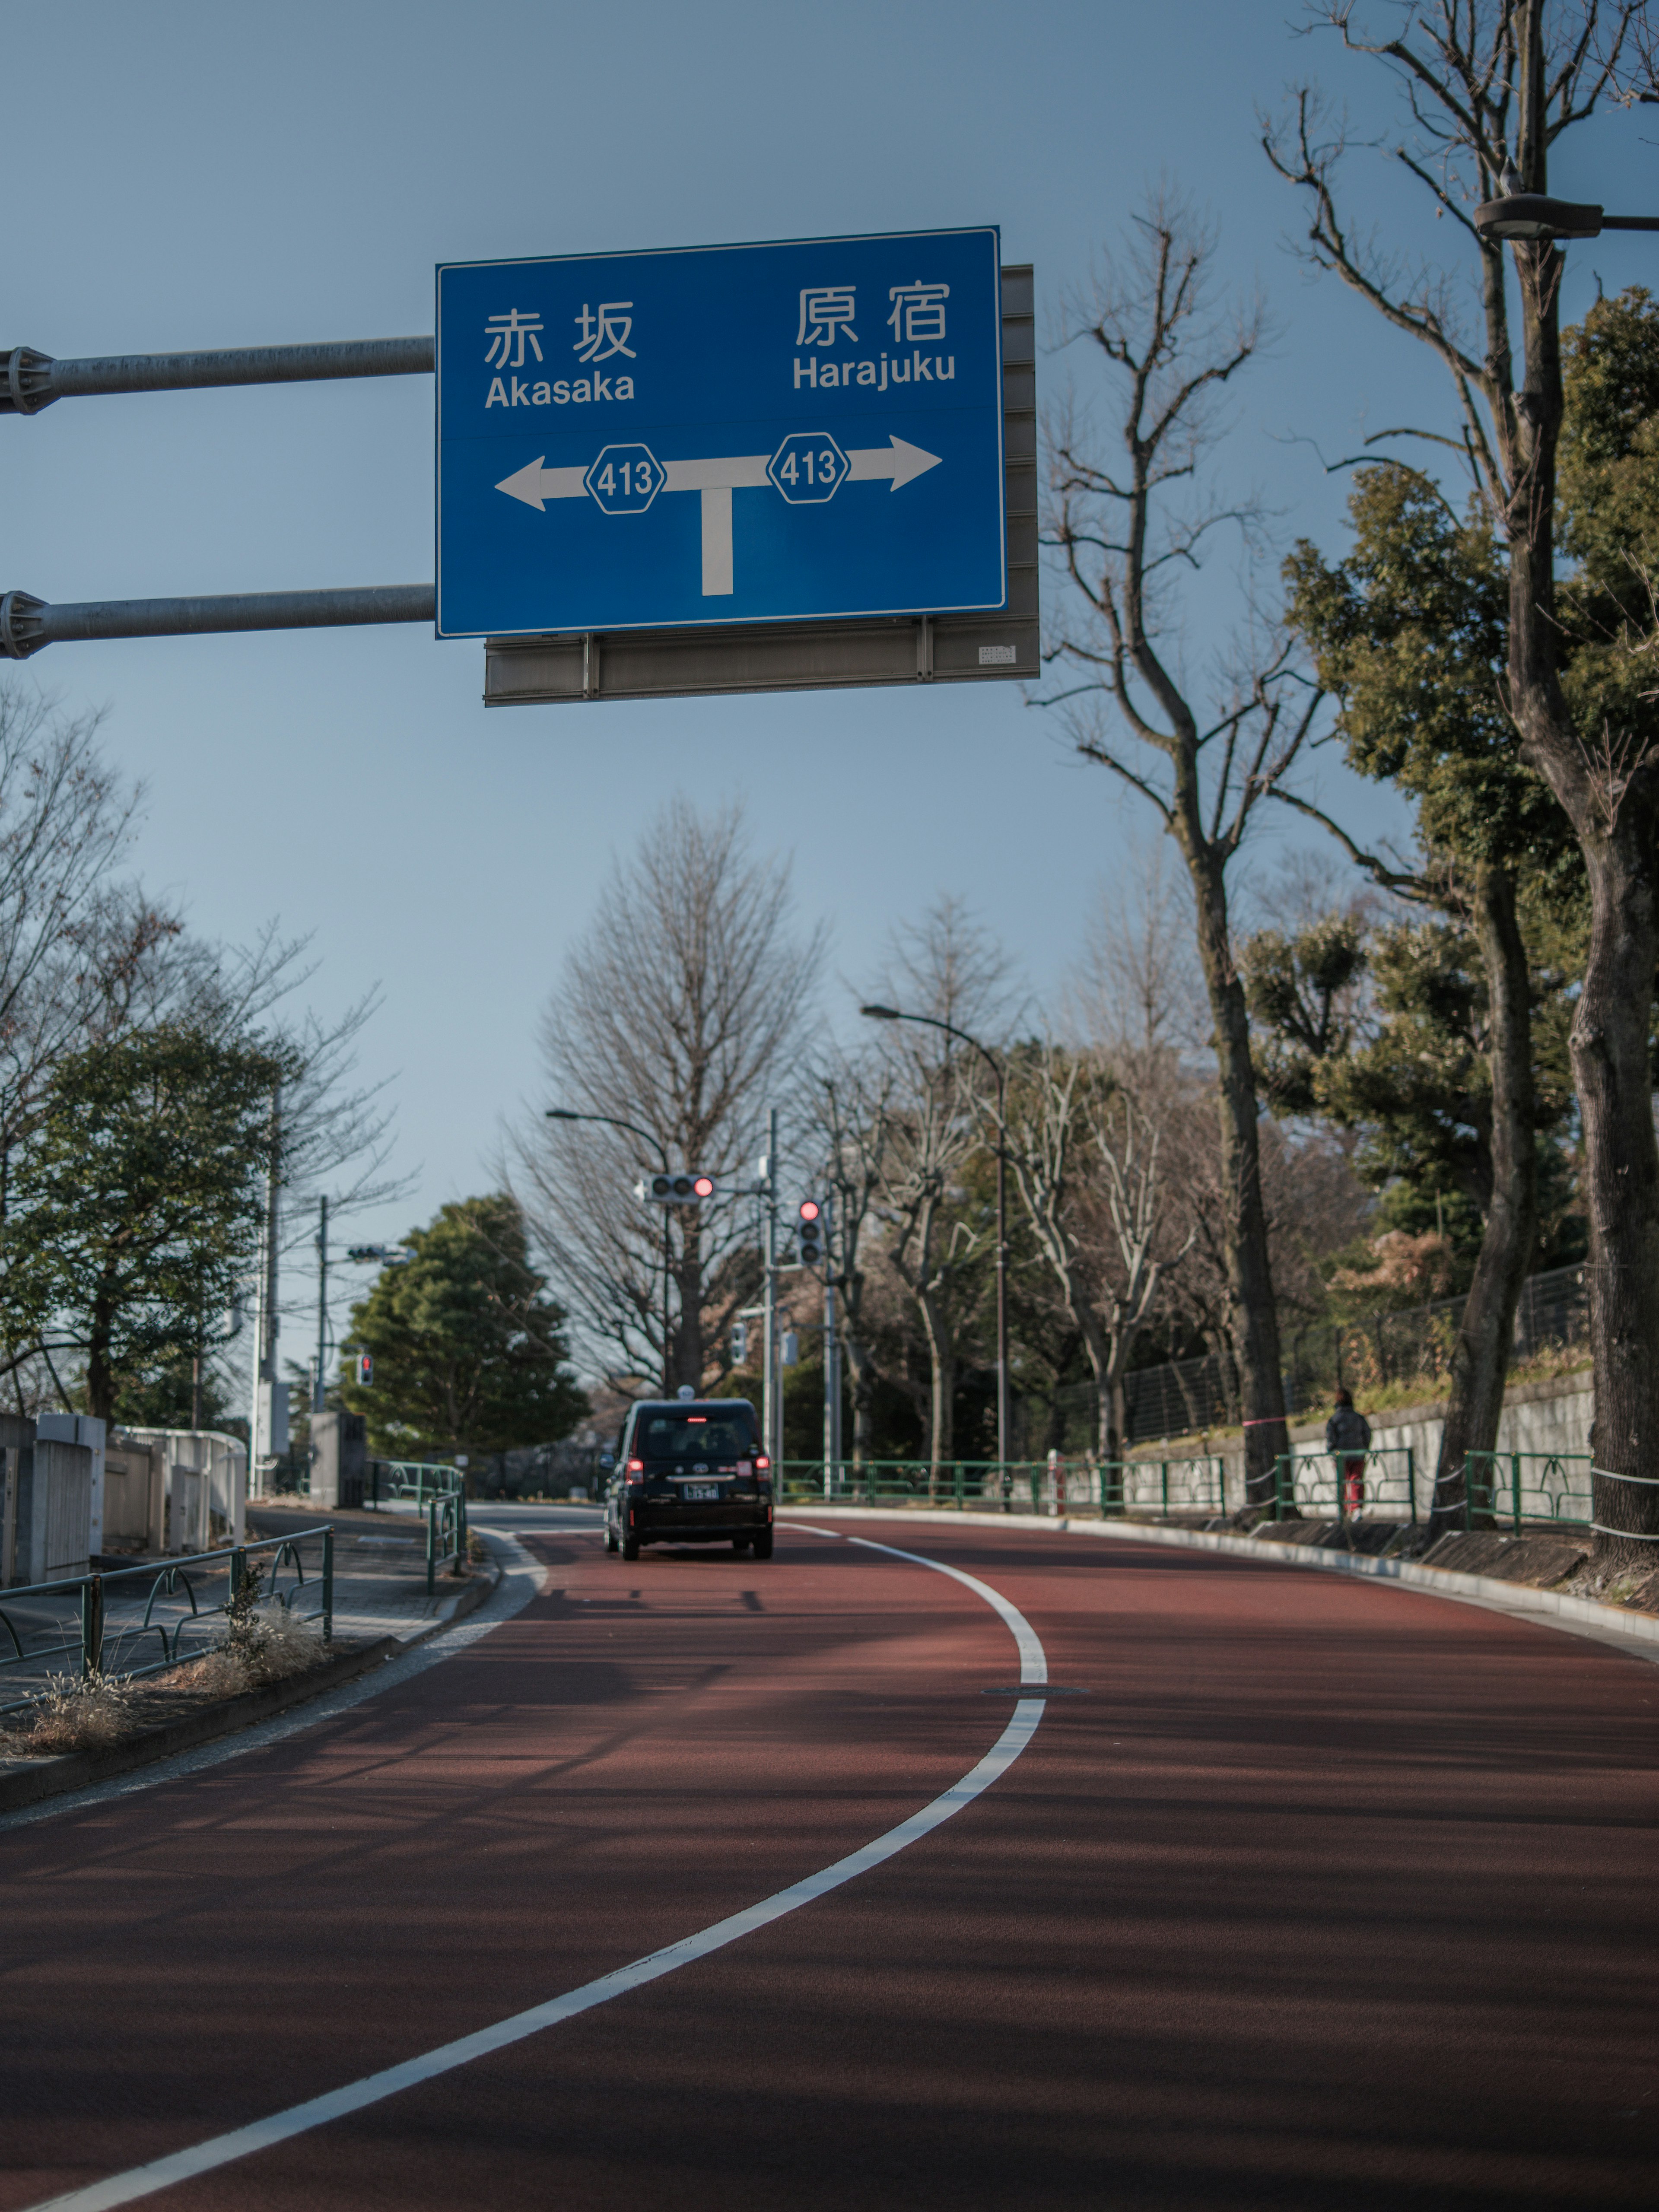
(719, 1526)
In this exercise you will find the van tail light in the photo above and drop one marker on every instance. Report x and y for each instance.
(763, 1464)
(637, 1467)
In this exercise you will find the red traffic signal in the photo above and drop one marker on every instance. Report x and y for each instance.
(811, 1232)
(679, 1190)
(364, 1363)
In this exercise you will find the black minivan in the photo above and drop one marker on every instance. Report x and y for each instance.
(690, 1471)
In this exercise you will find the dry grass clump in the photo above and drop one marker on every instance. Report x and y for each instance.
(77, 1712)
(217, 1674)
(265, 1644)
(271, 1644)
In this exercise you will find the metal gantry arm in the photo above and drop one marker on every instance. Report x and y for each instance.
(31, 381)
(28, 624)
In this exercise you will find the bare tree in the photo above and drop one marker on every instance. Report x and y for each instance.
(1489, 86)
(684, 1008)
(848, 1117)
(1135, 988)
(1084, 1150)
(1122, 526)
(944, 968)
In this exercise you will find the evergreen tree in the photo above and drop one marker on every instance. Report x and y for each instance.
(469, 1349)
(136, 1206)
(1410, 632)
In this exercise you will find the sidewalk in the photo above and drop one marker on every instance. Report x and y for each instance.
(379, 1570)
(381, 1608)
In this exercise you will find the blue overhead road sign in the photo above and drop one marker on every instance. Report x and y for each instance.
(730, 434)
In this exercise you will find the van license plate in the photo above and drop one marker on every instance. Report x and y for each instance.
(701, 1492)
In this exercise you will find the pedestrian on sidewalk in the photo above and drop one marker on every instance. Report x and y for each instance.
(1347, 1439)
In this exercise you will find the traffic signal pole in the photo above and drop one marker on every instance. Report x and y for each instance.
(772, 1395)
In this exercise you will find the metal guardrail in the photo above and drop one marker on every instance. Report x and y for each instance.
(1523, 1488)
(1108, 1488)
(1527, 1486)
(89, 1615)
(419, 1479)
(1374, 1482)
(445, 1535)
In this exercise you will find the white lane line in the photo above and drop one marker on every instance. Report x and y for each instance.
(1033, 1660)
(336, 2104)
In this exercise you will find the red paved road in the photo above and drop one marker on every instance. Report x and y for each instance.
(1326, 1895)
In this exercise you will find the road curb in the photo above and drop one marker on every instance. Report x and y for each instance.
(1637, 1633)
(27, 1781)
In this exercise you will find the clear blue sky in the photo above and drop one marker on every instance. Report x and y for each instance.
(224, 174)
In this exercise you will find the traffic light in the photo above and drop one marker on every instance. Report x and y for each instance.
(811, 1232)
(739, 1342)
(679, 1190)
(364, 1365)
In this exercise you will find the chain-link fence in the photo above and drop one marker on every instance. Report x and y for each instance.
(1409, 1345)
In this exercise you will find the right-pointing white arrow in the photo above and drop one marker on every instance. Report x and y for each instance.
(896, 460)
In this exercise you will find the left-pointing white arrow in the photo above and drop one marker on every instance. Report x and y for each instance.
(534, 485)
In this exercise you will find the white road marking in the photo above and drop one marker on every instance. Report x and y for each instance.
(299, 2119)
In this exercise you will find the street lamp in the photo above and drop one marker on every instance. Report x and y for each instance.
(1536, 216)
(932, 1022)
(565, 1114)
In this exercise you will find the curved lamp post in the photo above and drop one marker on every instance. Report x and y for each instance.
(564, 1114)
(932, 1022)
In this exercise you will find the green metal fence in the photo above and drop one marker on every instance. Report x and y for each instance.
(1523, 1487)
(141, 1620)
(421, 1479)
(1190, 1483)
(1175, 1485)
(445, 1534)
(1314, 1485)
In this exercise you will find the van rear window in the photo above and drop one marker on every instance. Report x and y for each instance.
(695, 1436)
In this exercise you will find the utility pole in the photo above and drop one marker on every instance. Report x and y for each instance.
(772, 1404)
(317, 1382)
(265, 1316)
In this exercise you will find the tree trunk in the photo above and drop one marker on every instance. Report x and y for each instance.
(862, 1372)
(941, 1359)
(1613, 1073)
(1614, 815)
(1480, 1361)
(686, 1351)
(100, 1378)
(1253, 1322)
